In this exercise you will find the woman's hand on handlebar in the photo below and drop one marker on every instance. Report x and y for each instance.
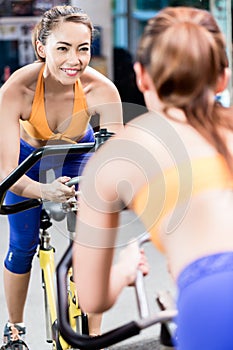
(57, 191)
(131, 259)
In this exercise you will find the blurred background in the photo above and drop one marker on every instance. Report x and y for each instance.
(119, 24)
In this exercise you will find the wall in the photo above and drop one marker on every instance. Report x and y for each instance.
(101, 15)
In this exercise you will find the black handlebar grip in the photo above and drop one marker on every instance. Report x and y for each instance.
(101, 136)
(23, 167)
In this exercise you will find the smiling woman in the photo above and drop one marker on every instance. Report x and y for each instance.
(50, 100)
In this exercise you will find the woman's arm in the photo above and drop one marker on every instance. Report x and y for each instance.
(99, 282)
(102, 199)
(12, 102)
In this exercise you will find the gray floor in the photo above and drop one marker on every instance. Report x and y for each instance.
(125, 309)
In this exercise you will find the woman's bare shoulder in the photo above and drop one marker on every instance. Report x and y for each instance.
(92, 78)
(23, 78)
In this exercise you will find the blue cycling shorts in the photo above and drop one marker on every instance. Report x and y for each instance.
(205, 304)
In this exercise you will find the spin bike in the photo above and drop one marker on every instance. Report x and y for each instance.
(77, 319)
(67, 325)
(164, 317)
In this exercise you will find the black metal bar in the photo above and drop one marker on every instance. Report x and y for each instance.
(117, 335)
(22, 168)
(83, 341)
(76, 340)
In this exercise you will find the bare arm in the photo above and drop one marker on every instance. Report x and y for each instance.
(97, 227)
(12, 97)
(105, 281)
(93, 255)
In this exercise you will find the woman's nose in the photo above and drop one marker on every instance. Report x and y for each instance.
(74, 57)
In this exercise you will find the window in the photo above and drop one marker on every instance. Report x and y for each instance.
(27, 7)
(130, 17)
(121, 23)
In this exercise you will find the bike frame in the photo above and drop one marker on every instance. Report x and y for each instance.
(116, 335)
(22, 168)
(66, 330)
(46, 256)
(46, 250)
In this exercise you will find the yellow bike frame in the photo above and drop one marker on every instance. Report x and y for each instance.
(47, 265)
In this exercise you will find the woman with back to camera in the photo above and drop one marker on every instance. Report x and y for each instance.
(173, 167)
(50, 100)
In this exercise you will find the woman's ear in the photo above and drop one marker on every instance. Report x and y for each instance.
(138, 71)
(142, 77)
(40, 49)
(146, 85)
(223, 80)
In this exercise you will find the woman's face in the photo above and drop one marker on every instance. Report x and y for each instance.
(67, 51)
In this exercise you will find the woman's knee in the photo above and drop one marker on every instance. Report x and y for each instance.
(19, 262)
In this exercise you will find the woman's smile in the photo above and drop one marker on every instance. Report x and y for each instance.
(71, 72)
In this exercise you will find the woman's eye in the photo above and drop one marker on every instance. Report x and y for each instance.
(62, 48)
(84, 49)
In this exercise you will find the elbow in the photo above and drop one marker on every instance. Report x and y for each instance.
(92, 300)
(94, 305)
(93, 309)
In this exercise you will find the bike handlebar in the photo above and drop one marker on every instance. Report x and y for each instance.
(116, 335)
(76, 340)
(22, 168)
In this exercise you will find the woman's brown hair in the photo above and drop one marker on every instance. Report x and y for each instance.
(184, 51)
(53, 17)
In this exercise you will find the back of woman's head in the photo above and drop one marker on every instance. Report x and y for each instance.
(53, 17)
(184, 51)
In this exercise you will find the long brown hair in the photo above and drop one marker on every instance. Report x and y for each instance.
(53, 17)
(185, 53)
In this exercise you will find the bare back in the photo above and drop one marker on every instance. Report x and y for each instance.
(145, 150)
(202, 223)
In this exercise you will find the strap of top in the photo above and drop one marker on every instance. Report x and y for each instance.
(176, 186)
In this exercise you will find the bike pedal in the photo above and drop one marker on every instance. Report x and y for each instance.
(15, 345)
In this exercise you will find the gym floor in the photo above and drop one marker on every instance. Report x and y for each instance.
(125, 309)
